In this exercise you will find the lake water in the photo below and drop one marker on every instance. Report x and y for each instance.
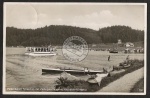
(26, 71)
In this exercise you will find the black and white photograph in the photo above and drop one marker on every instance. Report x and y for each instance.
(74, 48)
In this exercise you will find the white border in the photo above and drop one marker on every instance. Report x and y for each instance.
(71, 93)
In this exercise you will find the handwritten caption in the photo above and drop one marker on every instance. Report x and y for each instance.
(42, 89)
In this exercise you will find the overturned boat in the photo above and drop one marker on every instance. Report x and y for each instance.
(71, 71)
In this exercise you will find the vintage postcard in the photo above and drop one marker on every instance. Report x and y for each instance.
(74, 48)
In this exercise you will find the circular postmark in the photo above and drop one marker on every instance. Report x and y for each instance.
(75, 49)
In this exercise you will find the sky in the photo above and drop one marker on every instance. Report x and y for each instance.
(93, 16)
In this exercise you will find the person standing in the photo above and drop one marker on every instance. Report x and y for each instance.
(109, 58)
(127, 57)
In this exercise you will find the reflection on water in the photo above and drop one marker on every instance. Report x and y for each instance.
(26, 72)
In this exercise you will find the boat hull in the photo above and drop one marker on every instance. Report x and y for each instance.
(113, 51)
(40, 54)
(54, 71)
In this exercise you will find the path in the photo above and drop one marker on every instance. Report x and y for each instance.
(125, 83)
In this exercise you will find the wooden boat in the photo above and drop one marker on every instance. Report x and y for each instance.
(71, 71)
(126, 66)
(113, 51)
(40, 51)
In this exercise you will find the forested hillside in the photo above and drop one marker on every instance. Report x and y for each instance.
(56, 35)
(125, 33)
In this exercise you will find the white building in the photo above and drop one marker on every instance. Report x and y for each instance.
(119, 41)
(129, 44)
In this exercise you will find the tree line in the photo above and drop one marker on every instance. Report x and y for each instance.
(57, 34)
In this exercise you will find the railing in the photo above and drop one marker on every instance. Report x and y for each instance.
(39, 49)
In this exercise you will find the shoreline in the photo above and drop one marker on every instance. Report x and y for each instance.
(125, 83)
(109, 80)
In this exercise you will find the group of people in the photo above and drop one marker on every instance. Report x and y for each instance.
(39, 49)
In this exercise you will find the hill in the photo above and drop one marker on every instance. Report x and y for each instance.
(125, 33)
(57, 34)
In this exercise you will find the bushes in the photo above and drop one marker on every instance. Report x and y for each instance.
(63, 84)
